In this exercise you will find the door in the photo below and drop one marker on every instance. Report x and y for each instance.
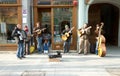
(94, 17)
(44, 17)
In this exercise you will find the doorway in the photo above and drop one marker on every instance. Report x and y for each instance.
(109, 14)
(44, 17)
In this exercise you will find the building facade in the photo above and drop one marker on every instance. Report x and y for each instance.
(55, 14)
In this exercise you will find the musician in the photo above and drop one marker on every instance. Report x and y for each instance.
(66, 45)
(38, 36)
(93, 39)
(46, 39)
(17, 34)
(27, 40)
(84, 43)
(97, 35)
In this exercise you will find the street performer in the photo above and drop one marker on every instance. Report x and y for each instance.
(66, 36)
(38, 31)
(83, 34)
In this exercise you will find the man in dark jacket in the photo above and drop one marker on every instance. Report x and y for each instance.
(18, 35)
(66, 45)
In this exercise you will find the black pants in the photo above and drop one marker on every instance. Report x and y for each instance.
(66, 46)
(92, 48)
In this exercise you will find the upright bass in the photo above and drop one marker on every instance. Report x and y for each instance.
(101, 43)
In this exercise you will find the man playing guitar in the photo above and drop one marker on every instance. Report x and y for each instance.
(84, 43)
(67, 32)
(38, 32)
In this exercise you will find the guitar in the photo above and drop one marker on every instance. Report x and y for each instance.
(81, 31)
(101, 43)
(39, 31)
(66, 35)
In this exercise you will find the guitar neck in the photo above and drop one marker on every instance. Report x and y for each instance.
(88, 28)
(100, 30)
(70, 29)
(40, 30)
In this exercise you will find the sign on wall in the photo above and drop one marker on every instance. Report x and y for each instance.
(24, 12)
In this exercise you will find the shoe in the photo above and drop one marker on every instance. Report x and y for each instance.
(19, 58)
(85, 53)
(23, 57)
(65, 51)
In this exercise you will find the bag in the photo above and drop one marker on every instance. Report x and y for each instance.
(32, 49)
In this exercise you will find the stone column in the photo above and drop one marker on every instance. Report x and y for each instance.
(81, 13)
(81, 16)
(26, 13)
(86, 13)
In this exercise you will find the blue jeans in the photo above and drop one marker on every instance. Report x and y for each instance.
(39, 44)
(96, 49)
(20, 50)
(66, 46)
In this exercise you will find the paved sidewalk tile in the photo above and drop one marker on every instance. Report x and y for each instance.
(71, 64)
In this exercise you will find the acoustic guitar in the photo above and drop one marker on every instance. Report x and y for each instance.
(101, 43)
(66, 35)
(81, 31)
(39, 31)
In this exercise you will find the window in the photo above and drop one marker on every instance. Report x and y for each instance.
(44, 2)
(62, 2)
(8, 20)
(62, 16)
(8, 1)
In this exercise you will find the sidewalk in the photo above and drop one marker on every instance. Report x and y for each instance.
(71, 65)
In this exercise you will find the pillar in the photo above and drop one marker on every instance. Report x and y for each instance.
(26, 13)
(81, 13)
(81, 17)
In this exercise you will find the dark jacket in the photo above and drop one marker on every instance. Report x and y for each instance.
(18, 34)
